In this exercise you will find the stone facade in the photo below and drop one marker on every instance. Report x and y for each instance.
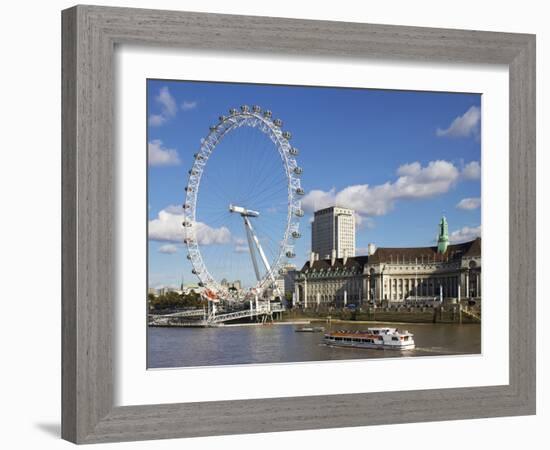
(392, 275)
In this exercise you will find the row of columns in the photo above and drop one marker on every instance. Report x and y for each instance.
(472, 283)
(347, 297)
(400, 287)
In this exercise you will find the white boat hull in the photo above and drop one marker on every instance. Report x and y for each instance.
(377, 338)
(408, 346)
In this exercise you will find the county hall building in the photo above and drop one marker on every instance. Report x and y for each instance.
(388, 275)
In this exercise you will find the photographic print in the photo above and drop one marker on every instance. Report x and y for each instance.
(300, 223)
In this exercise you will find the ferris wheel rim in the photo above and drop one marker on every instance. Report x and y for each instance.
(254, 118)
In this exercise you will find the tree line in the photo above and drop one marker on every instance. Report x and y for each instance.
(173, 300)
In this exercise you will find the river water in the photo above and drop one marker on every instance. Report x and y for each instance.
(229, 345)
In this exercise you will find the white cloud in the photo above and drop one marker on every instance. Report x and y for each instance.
(469, 203)
(156, 120)
(241, 245)
(463, 126)
(414, 182)
(317, 199)
(168, 227)
(168, 249)
(465, 234)
(161, 156)
(363, 221)
(472, 171)
(168, 107)
(188, 105)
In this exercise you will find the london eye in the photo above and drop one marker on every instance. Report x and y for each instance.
(242, 207)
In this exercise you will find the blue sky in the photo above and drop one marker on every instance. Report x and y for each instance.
(401, 159)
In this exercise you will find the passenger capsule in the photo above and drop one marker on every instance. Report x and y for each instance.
(189, 257)
(186, 223)
(256, 109)
(287, 135)
(201, 284)
(195, 272)
(300, 191)
(267, 114)
(222, 118)
(192, 172)
(188, 189)
(299, 213)
(213, 128)
(293, 151)
(186, 206)
(278, 123)
(290, 254)
(232, 111)
(245, 108)
(298, 170)
(296, 234)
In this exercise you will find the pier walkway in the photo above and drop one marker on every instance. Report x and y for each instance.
(263, 312)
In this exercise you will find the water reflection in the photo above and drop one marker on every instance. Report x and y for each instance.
(184, 347)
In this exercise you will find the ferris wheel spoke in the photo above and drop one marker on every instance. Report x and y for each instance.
(267, 196)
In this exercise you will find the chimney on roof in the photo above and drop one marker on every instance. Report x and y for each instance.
(332, 257)
(316, 256)
(345, 257)
(371, 248)
(311, 259)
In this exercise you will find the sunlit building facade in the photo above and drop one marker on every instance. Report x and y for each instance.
(388, 275)
(333, 229)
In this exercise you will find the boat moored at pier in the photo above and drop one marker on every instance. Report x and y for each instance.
(381, 338)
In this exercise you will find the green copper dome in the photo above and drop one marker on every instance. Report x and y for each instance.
(443, 238)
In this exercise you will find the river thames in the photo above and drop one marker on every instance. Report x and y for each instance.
(280, 343)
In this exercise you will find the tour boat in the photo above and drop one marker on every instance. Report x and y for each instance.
(382, 338)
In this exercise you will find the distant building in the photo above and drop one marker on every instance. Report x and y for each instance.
(231, 284)
(285, 280)
(191, 289)
(166, 289)
(333, 229)
(388, 275)
(152, 291)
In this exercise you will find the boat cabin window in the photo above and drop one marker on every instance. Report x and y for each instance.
(394, 338)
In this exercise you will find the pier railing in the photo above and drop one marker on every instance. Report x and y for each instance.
(212, 319)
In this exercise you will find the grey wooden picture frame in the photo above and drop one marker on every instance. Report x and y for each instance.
(90, 34)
